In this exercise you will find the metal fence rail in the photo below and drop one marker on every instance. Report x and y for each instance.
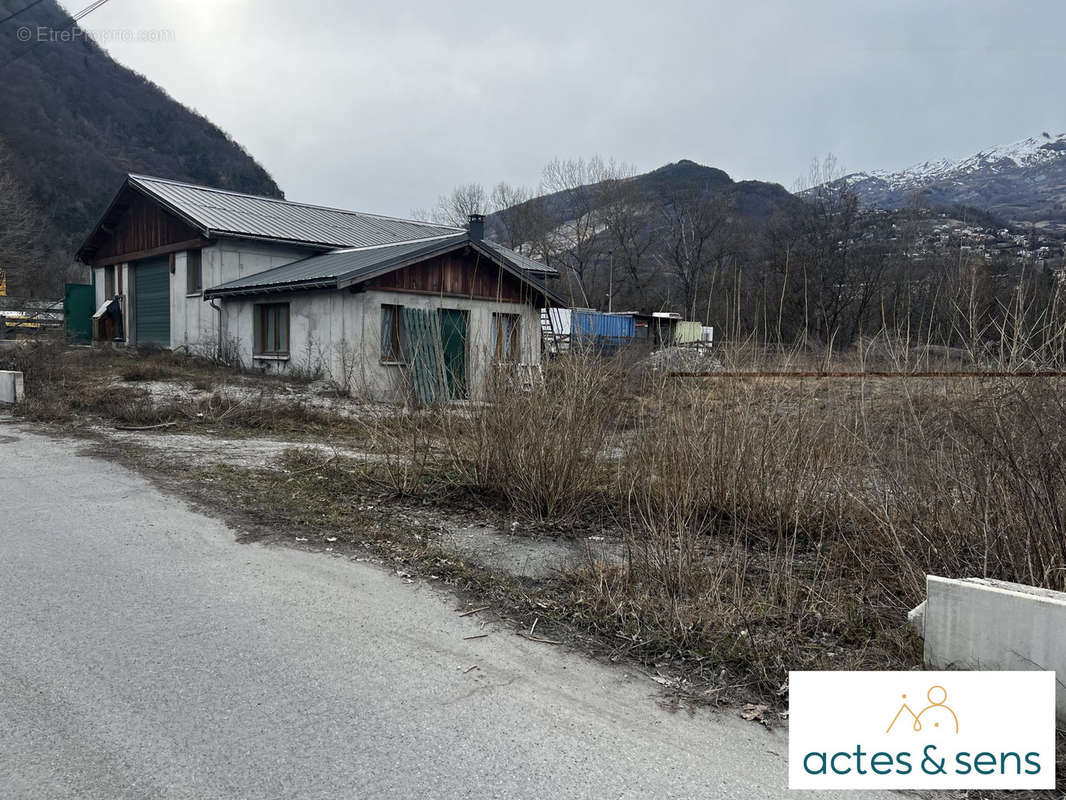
(871, 374)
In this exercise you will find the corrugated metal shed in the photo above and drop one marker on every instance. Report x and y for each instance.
(688, 332)
(218, 212)
(564, 328)
(597, 325)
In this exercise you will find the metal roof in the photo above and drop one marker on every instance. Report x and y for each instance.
(218, 212)
(522, 262)
(341, 268)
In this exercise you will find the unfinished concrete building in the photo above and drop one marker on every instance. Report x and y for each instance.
(385, 306)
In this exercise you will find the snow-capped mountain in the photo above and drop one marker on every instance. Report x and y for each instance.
(1020, 182)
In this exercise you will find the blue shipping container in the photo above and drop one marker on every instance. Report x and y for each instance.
(597, 325)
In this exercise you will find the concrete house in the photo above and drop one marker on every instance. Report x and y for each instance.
(384, 306)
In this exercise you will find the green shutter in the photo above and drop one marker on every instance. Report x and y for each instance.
(151, 299)
(453, 342)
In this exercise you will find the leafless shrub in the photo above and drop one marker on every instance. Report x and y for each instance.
(45, 374)
(151, 371)
(977, 487)
(771, 523)
(348, 362)
(541, 448)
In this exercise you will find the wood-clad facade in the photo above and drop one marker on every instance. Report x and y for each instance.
(136, 227)
(462, 273)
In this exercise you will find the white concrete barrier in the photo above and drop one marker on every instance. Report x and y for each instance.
(984, 624)
(11, 387)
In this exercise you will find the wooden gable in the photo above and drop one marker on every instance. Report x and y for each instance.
(461, 273)
(137, 227)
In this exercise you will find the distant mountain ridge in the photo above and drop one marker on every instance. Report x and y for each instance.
(1022, 182)
(73, 123)
(751, 200)
(646, 241)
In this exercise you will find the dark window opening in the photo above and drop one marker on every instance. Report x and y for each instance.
(393, 335)
(109, 283)
(272, 329)
(507, 340)
(194, 271)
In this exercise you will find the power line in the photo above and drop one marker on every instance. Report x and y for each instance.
(27, 8)
(89, 9)
(72, 21)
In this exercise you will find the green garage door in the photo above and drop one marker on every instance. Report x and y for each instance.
(151, 298)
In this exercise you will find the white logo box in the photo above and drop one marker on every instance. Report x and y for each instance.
(1005, 738)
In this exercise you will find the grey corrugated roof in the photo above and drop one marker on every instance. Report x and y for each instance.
(221, 212)
(341, 268)
(335, 268)
(521, 261)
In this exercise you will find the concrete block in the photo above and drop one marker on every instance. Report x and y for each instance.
(916, 618)
(985, 624)
(11, 387)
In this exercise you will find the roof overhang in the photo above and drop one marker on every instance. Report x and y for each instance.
(84, 254)
(143, 186)
(521, 274)
(353, 278)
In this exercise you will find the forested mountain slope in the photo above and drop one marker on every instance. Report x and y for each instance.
(73, 122)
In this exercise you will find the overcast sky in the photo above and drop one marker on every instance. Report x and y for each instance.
(383, 106)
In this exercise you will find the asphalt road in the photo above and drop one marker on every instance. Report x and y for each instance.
(145, 654)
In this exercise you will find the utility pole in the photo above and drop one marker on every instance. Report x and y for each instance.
(610, 282)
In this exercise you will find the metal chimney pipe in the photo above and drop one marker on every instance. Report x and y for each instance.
(477, 227)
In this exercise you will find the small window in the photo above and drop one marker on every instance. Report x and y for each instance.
(393, 336)
(507, 328)
(109, 282)
(194, 271)
(272, 329)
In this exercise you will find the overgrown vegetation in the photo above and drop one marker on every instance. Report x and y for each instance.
(766, 524)
(67, 385)
(770, 524)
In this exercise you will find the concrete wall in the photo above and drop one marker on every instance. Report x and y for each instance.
(337, 335)
(985, 624)
(193, 323)
(11, 387)
(334, 334)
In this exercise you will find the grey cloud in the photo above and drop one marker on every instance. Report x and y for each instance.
(384, 106)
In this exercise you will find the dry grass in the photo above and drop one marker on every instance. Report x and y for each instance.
(66, 385)
(771, 524)
(781, 524)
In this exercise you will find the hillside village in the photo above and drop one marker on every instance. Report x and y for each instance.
(938, 233)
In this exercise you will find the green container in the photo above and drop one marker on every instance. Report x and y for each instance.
(688, 332)
(78, 309)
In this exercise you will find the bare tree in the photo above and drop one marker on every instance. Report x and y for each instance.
(630, 223)
(455, 208)
(841, 278)
(577, 242)
(518, 216)
(696, 240)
